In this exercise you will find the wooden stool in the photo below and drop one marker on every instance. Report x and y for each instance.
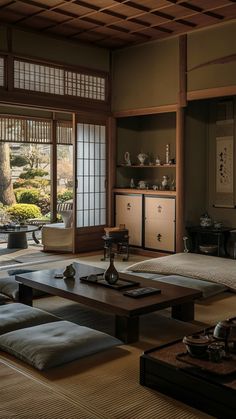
(120, 241)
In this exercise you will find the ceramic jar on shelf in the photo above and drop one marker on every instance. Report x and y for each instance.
(142, 157)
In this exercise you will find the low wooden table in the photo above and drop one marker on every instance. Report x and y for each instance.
(126, 310)
(17, 238)
(212, 393)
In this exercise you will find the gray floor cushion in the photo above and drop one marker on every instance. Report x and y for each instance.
(3, 298)
(207, 288)
(19, 271)
(18, 316)
(53, 344)
(143, 274)
(10, 287)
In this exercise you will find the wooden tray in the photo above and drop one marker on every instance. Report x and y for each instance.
(121, 284)
(225, 367)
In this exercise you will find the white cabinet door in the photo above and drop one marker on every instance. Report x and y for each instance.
(129, 212)
(160, 223)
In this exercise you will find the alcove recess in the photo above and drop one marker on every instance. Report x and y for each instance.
(147, 134)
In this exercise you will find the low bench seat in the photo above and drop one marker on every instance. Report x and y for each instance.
(53, 344)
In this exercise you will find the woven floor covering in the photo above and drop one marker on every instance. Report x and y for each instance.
(102, 386)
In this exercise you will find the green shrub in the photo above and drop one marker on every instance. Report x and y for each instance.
(19, 161)
(64, 196)
(22, 212)
(44, 204)
(32, 173)
(32, 183)
(27, 196)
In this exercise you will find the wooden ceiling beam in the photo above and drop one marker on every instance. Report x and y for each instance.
(4, 6)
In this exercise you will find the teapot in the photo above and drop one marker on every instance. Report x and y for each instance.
(225, 330)
(205, 220)
(142, 157)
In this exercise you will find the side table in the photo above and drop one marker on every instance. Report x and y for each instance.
(212, 393)
(121, 243)
(208, 236)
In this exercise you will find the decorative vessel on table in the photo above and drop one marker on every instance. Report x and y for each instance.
(111, 275)
(69, 272)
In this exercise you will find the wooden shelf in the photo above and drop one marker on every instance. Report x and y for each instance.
(144, 191)
(139, 166)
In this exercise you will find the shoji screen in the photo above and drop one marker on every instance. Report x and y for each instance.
(91, 175)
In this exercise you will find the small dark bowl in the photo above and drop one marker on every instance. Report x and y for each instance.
(197, 345)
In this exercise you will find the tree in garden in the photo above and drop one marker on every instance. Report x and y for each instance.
(34, 156)
(7, 196)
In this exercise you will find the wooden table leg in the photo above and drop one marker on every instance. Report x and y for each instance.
(184, 312)
(127, 329)
(25, 294)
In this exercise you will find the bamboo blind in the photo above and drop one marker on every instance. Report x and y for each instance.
(30, 130)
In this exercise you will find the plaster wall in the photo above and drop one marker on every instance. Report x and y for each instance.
(54, 49)
(196, 180)
(145, 76)
(209, 45)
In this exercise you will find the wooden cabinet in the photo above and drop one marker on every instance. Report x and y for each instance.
(159, 225)
(158, 214)
(151, 134)
(129, 212)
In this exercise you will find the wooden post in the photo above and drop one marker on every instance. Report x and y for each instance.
(180, 228)
(54, 171)
(180, 133)
(74, 139)
(183, 70)
(111, 168)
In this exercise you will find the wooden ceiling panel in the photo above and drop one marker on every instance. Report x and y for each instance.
(102, 3)
(153, 4)
(115, 23)
(209, 4)
(228, 12)
(47, 3)
(76, 9)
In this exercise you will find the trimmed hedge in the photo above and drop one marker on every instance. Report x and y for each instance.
(27, 196)
(22, 212)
